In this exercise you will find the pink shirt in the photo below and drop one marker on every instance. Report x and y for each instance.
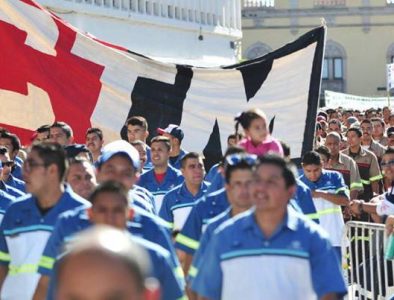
(269, 145)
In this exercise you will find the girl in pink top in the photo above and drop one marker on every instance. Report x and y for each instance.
(258, 139)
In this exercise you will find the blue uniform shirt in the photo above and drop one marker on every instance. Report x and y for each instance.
(172, 178)
(204, 209)
(143, 226)
(5, 201)
(24, 233)
(16, 183)
(296, 262)
(17, 169)
(176, 163)
(143, 198)
(177, 204)
(212, 173)
(304, 199)
(11, 190)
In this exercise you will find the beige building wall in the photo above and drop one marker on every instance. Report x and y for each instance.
(361, 32)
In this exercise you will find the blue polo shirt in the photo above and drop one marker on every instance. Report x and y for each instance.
(143, 198)
(304, 199)
(217, 183)
(11, 190)
(72, 222)
(5, 201)
(24, 233)
(212, 173)
(204, 210)
(17, 169)
(16, 183)
(178, 203)
(330, 214)
(172, 178)
(176, 163)
(296, 262)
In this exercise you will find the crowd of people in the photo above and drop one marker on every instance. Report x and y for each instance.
(128, 220)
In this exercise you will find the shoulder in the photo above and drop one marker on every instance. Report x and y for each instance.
(26, 201)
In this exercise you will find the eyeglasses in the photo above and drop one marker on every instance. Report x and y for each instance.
(236, 159)
(29, 165)
(386, 164)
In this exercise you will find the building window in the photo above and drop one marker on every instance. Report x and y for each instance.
(390, 54)
(390, 2)
(334, 68)
(329, 3)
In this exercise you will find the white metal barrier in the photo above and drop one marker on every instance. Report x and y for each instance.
(369, 275)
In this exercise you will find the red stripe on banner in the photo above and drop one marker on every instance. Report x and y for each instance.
(71, 82)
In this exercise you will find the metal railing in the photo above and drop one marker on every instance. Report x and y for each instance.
(369, 275)
(218, 13)
(258, 3)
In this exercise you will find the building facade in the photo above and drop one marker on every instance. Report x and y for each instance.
(360, 37)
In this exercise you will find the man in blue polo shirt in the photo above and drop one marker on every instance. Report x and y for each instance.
(175, 135)
(329, 192)
(109, 207)
(6, 171)
(162, 177)
(271, 251)
(178, 202)
(27, 223)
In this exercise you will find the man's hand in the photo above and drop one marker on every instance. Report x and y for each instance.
(355, 206)
(389, 225)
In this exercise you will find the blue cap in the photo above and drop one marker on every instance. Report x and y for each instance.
(119, 147)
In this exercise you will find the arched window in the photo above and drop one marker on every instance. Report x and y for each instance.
(334, 67)
(390, 53)
(256, 50)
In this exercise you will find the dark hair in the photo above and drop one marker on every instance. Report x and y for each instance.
(232, 150)
(43, 128)
(280, 162)
(109, 187)
(368, 121)
(190, 155)
(244, 161)
(63, 126)
(324, 151)
(137, 142)
(52, 153)
(95, 130)
(15, 142)
(389, 151)
(375, 119)
(335, 121)
(235, 136)
(311, 158)
(356, 130)
(245, 118)
(137, 121)
(163, 139)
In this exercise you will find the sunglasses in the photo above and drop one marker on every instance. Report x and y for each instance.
(236, 159)
(386, 164)
(8, 163)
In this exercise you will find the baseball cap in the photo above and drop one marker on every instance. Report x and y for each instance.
(119, 147)
(172, 129)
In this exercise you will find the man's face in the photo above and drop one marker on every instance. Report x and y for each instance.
(120, 169)
(269, 191)
(366, 128)
(353, 139)
(377, 128)
(135, 132)
(312, 172)
(387, 165)
(42, 137)
(239, 188)
(8, 144)
(7, 164)
(110, 209)
(334, 127)
(35, 174)
(95, 277)
(193, 171)
(94, 143)
(159, 154)
(57, 135)
(391, 141)
(81, 178)
(142, 153)
(332, 143)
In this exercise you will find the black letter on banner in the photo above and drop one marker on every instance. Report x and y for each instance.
(160, 103)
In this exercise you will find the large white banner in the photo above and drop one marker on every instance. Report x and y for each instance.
(50, 71)
(390, 77)
(348, 101)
